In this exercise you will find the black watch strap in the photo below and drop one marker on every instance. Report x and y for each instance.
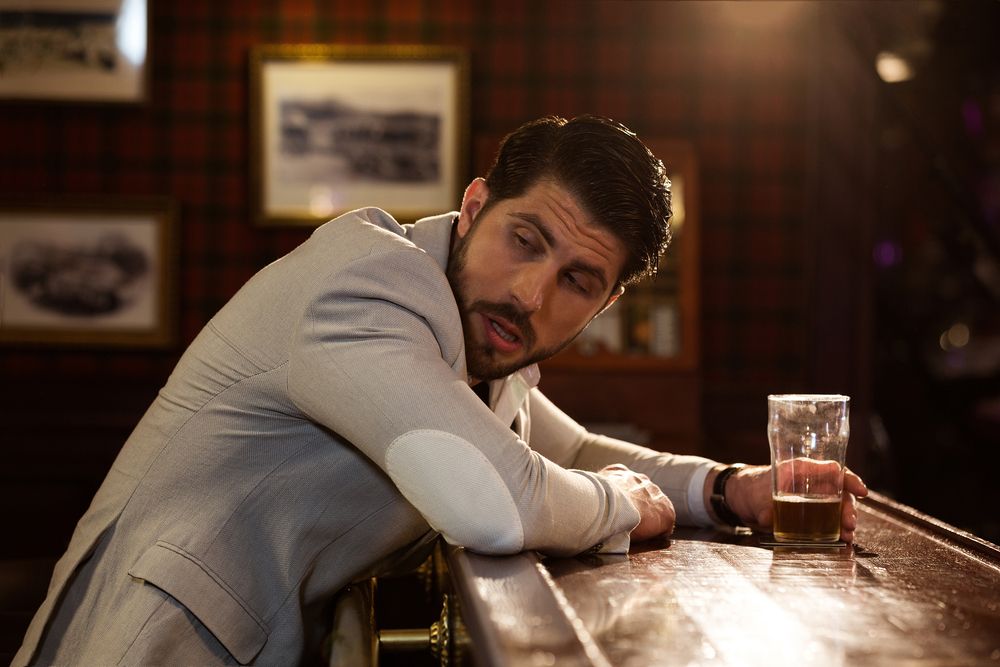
(719, 504)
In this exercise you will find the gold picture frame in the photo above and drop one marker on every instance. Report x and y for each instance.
(86, 51)
(88, 272)
(338, 127)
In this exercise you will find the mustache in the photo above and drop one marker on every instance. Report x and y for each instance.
(512, 314)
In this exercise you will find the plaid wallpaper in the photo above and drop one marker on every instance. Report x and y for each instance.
(730, 79)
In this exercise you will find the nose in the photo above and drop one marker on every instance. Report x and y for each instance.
(530, 287)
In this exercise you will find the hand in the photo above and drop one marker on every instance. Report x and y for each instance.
(656, 512)
(748, 493)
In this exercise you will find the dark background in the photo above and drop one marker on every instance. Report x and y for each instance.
(846, 223)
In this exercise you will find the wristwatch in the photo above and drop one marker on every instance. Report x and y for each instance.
(718, 498)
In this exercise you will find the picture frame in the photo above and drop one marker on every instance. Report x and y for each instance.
(339, 127)
(74, 51)
(88, 273)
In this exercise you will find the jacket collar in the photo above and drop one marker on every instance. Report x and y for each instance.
(433, 236)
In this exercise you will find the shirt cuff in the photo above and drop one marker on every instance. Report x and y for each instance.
(696, 495)
(616, 544)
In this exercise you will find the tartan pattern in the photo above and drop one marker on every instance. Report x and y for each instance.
(655, 66)
(665, 69)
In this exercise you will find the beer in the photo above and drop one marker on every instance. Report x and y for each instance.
(806, 519)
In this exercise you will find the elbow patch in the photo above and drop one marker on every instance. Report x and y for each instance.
(456, 488)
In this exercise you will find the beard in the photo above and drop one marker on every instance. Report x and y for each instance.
(481, 360)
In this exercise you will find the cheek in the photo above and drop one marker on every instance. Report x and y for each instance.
(564, 320)
(490, 274)
(481, 279)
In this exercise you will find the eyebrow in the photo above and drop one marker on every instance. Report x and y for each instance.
(535, 221)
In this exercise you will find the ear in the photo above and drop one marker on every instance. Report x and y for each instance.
(618, 291)
(472, 203)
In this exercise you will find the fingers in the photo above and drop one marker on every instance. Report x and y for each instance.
(848, 517)
(656, 512)
(854, 488)
(667, 515)
(854, 484)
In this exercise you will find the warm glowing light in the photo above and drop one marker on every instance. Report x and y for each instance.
(893, 68)
(323, 201)
(771, 17)
(131, 31)
(958, 335)
(677, 202)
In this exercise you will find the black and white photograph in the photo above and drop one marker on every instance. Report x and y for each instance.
(73, 50)
(85, 276)
(337, 127)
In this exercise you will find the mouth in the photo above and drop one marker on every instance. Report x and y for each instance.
(502, 335)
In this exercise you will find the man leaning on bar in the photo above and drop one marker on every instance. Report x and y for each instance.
(375, 388)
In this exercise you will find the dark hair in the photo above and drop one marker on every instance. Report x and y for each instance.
(601, 162)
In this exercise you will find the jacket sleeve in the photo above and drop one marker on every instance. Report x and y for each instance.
(378, 358)
(681, 477)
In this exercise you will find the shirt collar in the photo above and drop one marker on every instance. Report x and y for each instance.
(508, 394)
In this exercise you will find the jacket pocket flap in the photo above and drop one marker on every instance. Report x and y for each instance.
(193, 584)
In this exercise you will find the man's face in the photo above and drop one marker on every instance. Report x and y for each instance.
(529, 274)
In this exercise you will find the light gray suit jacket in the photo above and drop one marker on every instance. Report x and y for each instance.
(319, 430)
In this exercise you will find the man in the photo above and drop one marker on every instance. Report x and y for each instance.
(325, 425)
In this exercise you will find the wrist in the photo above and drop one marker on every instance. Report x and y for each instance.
(718, 501)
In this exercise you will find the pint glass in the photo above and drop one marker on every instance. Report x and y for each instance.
(808, 436)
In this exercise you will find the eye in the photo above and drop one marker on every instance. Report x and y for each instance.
(577, 283)
(524, 241)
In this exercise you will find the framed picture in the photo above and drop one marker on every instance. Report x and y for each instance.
(88, 273)
(334, 128)
(74, 50)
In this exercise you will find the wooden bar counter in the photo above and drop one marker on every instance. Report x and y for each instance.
(912, 591)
